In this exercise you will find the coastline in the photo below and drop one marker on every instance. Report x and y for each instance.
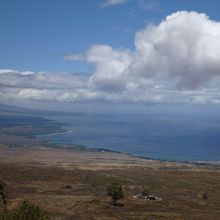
(79, 157)
(71, 146)
(86, 149)
(52, 127)
(67, 179)
(158, 156)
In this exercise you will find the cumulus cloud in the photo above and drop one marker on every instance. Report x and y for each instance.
(113, 63)
(176, 61)
(184, 47)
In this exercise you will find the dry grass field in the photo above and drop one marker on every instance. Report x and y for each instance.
(72, 185)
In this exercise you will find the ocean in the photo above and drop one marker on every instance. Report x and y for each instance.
(165, 137)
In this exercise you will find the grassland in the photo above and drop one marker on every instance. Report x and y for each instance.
(71, 184)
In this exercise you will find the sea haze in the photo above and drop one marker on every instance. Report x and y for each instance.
(168, 137)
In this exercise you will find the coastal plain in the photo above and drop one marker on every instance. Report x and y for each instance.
(71, 184)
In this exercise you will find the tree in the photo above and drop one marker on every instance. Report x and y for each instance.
(115, 192)
(3, 195)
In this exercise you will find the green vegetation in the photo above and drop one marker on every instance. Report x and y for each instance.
(26, 211)
(115, 192)
(82, 193)
(3, 195)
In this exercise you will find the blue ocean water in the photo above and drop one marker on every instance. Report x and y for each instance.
(168, 137)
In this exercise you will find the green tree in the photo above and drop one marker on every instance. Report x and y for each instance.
(3, 195)
(115, 192)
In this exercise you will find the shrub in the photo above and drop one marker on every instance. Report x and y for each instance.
(3, 195)
(26, 211)
(115, 192)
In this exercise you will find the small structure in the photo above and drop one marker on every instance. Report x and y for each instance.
(152, 197)
(139, 196)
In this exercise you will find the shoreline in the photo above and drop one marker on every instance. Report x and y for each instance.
(65, 130)
(83, 148)
(72, 145)
(87, 159)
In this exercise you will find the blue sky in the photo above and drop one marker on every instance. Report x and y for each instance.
(110, 51)
(35, 34)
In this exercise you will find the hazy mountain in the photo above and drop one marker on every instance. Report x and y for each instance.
(9, 109)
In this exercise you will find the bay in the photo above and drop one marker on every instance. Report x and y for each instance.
(165, 137)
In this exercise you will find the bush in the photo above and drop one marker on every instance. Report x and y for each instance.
(26, 211)
(115, 192)
(3, 195)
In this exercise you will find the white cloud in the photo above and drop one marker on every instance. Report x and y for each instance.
(3, 71)
(110, 67)
(108, 3)
(176, 61)
(74, 57)
(6, 71)
(183, 47)
(149, 5)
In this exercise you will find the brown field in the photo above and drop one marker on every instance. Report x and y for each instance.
(71, 184)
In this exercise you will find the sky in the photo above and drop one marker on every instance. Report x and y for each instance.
(110, 51)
